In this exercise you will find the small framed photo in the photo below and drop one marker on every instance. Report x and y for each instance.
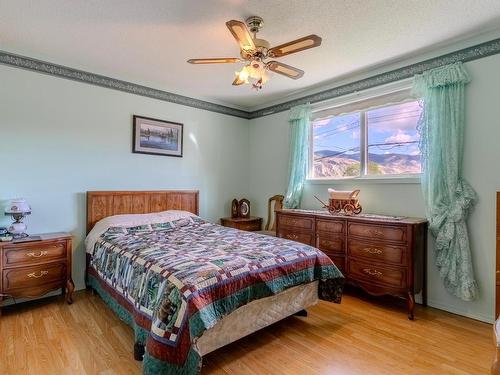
(157, 137)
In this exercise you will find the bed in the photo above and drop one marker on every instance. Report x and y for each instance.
(188, 287)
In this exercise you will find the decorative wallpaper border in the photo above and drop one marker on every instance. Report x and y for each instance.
(114, 84)
(467, 54)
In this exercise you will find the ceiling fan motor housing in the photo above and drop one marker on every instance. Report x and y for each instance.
(254, 23)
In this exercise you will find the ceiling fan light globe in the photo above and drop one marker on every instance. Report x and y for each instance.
(243, 74)
(265, 76)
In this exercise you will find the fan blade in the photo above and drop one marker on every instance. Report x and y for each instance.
(301, 44)
(241, 34)
(237, 81)
(285, 69)
(222, 60)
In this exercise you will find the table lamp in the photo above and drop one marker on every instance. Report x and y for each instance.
(18, 209)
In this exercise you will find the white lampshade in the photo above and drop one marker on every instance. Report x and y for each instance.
(18, 206)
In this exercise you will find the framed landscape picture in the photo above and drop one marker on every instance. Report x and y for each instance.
(157, 137)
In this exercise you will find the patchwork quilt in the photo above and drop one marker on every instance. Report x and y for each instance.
(172, 281)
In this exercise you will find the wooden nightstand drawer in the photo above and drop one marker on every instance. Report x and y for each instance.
(33, 278)
(250, 224)
(34, 253)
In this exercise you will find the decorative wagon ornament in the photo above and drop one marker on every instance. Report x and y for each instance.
(342, 202)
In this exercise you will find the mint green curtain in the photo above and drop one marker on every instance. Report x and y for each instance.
(447, 195)
(299, 145)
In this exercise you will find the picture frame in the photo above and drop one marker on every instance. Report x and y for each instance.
(157, 137)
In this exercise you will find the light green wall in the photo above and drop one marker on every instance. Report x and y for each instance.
(268, 176)
(60, 138)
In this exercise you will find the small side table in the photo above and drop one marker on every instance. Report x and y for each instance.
(32, 269)
(250, 224)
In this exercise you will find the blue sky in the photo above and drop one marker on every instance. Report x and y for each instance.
(391, 126)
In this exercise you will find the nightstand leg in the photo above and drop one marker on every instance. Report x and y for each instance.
(70, 286)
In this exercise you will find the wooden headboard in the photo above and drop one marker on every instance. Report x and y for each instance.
(101, 204)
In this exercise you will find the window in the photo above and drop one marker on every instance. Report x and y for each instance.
(349, 141)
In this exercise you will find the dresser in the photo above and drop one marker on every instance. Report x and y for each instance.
(32, 269)
(251, 223)
(382, 255)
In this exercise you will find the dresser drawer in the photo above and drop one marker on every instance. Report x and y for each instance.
(330, 226)
(31, 278)
(305, 238)
(377, 251)
(34, 253)
(339, 262)
(381, 232)
(298, 222)
(331, 244)
(382, 275)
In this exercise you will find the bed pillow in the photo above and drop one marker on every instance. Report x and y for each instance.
(132, 220)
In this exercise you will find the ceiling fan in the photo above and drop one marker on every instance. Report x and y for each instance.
(254, 52)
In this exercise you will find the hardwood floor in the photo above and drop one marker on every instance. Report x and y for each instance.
(360, 336)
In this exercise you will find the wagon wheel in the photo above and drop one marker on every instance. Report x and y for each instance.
(348, 209)
(358, 210)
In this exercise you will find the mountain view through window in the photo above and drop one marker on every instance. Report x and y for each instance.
(390, 144)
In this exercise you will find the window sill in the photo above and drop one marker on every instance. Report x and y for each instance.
(415, 179)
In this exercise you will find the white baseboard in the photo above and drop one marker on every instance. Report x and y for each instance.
(10, 301)
(481, 317)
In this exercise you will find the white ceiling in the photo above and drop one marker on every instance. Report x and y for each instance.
(149, 41)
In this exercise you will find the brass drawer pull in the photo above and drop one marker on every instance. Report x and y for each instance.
(292, 236)
(39, 255)
(34, 275)
(371, 272)
(373, 250)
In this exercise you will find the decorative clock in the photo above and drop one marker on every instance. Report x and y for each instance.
(244, 208)
(235, 208)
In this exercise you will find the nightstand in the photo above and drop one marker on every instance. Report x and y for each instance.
(251, 223)
(32, 269)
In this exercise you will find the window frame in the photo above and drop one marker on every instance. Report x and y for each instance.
(352, 99)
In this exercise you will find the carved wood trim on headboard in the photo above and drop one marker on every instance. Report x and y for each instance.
(101, 204)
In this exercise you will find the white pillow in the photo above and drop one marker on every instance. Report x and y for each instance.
(131, 220)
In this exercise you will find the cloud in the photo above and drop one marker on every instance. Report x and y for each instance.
(402, 137)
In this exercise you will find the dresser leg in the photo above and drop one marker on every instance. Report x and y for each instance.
(70, 286)
(411, 305)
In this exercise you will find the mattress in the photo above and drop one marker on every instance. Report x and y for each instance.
(257, 315)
